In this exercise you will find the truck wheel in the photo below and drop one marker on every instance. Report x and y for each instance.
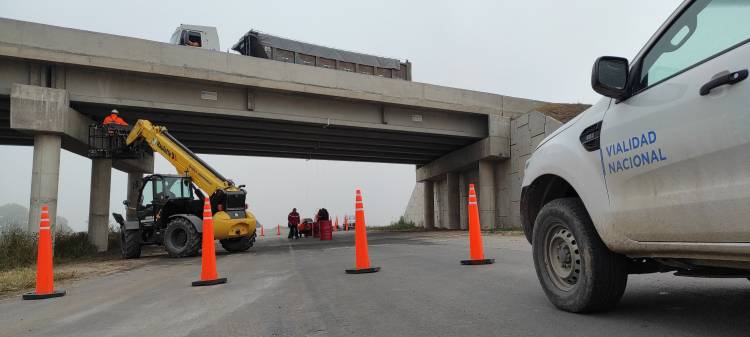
(130, 243)
(577, 271)
(181, 239)
(237, 245)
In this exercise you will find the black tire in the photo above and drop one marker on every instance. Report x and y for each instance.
(237, 245)
(576, 270)
(130, 243)
(181, 239)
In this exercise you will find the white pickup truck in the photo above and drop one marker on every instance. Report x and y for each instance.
(655, 177)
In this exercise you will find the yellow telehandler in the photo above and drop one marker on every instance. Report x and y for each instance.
(170, 207)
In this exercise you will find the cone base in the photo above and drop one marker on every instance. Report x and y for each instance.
(203, 283)
(363, 270)
(477, 262)
(35, 296)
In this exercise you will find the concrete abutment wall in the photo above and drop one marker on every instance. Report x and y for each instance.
(497, 180)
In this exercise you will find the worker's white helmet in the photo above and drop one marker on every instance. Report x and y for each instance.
(114, 111)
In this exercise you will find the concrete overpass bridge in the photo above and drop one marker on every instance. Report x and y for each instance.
(55, 81)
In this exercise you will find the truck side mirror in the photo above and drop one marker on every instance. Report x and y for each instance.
(610, 76)
(126, 203)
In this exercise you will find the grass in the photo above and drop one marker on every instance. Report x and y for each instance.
(25, 278)
(399, 226)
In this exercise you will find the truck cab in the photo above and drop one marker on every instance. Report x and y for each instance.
(168, 212)
(655, 177)
(195, 36)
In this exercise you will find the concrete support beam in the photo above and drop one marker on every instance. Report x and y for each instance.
(101, 178)
(495, 146)
(45, 175)
(454, 208)
(487, 194)
(36, 109)
(429, 205)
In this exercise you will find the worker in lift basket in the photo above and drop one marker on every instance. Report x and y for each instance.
(293, 222)
(116, 129)
(114, 120)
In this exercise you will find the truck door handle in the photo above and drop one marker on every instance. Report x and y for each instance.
(727, 79)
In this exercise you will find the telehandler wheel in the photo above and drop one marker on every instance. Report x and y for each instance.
(576, 270)
(130, 243)
(181, 239)
(237, 245)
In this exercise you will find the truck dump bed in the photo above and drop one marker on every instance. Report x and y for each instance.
(272, 47)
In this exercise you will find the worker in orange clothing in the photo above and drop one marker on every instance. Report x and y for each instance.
(116, 129)
(114, 119)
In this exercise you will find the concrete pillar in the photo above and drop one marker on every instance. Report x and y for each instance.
(134, 189)
(487, 194)
(101, 178)
(453, 205)
(45, 175)
(463, 195)
(429, 204)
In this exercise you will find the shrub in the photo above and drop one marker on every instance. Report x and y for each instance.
(113, 238)
(73, 245)
(17, 248)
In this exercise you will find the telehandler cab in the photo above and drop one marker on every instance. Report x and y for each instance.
(170, 207)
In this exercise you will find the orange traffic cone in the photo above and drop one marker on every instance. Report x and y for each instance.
(475, 235)
(262, 234)
(278, 230)
(336, 224)
(209, 276)
(45, 280)
(360, 240)
(346, 223)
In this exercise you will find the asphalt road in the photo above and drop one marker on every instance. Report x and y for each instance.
(299, 288)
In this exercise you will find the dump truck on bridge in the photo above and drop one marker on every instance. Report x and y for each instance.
(258, 44)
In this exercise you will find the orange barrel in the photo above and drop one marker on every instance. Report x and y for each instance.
(326, 230)
(316, 229)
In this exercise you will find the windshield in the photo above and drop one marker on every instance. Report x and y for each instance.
(178, 187)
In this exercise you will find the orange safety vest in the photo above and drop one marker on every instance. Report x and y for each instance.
(114, 119)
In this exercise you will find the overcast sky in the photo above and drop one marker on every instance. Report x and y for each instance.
(540, 49)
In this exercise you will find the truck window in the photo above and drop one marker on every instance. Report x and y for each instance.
(193, 39)
(706, 29)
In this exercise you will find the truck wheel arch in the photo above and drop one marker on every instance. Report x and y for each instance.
(541, 191)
